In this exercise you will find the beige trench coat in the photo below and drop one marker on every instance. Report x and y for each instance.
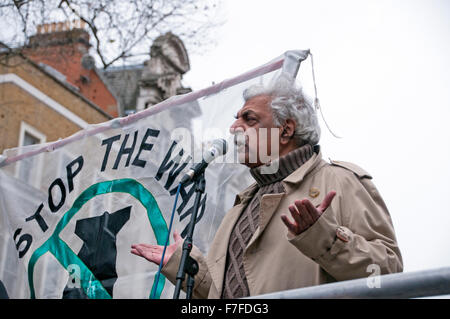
(354, 232)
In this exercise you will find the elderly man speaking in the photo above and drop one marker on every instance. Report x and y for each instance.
(306, 223)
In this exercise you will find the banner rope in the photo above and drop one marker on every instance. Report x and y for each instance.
(316, 99)
(155, 287)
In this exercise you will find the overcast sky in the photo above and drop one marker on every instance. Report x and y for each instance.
(383, 75)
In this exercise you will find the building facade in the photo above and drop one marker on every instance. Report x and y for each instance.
(64, 51)
(143, 85)
(37, 107)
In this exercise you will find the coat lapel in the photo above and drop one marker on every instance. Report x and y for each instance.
(268, 206)
(217, 252)
(297, 176)
(270, 202)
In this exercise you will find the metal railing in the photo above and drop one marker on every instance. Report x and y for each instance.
(427, 283)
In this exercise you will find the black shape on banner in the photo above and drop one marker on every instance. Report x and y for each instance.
(3, 293)
(190, 211)
(99, 250)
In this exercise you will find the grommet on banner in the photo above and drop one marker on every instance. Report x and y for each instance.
(116, 123)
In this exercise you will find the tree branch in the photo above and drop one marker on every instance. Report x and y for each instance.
(92, 27)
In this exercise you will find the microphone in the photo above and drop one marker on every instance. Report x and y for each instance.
(218, 148)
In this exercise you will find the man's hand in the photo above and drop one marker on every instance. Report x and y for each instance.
(153, 253)
(305, 214)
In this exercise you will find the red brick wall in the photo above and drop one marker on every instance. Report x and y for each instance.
(66, 58)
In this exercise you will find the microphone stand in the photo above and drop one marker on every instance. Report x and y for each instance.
(188, 265)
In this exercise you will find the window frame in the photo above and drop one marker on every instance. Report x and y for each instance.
(26, 128)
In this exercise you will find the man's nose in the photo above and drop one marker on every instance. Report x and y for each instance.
(236, 127)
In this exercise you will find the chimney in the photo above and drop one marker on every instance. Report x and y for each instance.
(61, 46)
(60, 34)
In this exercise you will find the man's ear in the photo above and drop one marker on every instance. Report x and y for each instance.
(287, 131)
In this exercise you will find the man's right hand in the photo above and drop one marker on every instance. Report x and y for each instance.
(154, 253)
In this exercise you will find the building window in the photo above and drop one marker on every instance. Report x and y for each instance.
(28, 168)
(30, 136)
(29, 139)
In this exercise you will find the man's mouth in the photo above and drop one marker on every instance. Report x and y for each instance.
(240, 140)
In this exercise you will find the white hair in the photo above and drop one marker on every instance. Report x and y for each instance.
(289, 102)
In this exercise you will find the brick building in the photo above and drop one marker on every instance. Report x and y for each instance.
(53, 89)
(36, 106)
(64, 50)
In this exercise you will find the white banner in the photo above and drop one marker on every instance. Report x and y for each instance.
(70, 210)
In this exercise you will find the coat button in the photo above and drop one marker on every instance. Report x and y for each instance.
(342, 234)
(314, 192)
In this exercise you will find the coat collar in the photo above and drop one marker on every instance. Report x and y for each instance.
(294, 178)
(247, 194)
(297, 176)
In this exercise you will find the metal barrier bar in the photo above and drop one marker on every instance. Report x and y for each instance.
(435, 282)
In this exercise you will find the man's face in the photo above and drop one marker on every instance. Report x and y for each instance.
(252, 130)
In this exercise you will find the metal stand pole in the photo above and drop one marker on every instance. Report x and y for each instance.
(188, 264)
